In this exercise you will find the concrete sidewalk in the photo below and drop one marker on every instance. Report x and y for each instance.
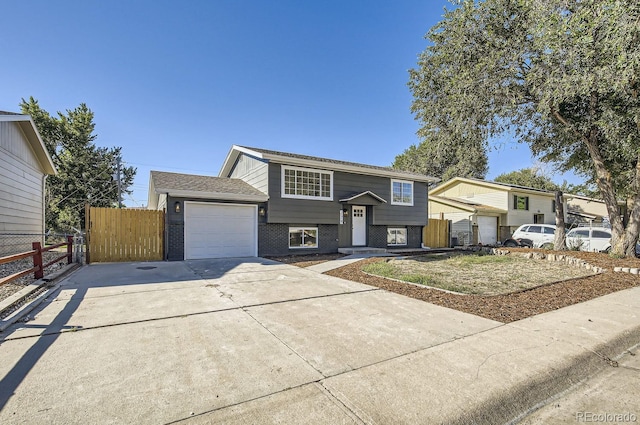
(255, 341)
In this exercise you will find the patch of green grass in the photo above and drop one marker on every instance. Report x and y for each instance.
(385, 269)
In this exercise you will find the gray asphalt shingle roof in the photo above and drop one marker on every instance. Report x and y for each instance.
(331, 161)
(168, 182)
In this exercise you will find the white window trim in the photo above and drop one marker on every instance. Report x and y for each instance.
(312, 170)
(303, 229)
(405, 236)
(406, 204)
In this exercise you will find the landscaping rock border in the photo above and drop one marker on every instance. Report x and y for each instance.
(577, 262)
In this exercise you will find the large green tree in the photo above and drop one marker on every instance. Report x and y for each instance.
(444, 159)
(528, 177)
(561, 75)
(85, 171)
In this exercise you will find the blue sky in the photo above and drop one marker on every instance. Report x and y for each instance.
(177, 83)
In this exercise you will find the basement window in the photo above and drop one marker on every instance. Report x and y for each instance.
(396, 236)
(303, 237)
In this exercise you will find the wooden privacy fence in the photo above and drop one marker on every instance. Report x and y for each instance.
(117, 235)
(436, 234)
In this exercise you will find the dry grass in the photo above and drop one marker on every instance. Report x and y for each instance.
(476, 274)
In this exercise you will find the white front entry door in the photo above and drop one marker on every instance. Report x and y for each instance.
(359, 226)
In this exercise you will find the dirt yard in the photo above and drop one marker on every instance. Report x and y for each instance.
(515, 306)
(476, 274)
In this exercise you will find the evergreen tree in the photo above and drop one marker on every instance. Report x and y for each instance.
(85, 172)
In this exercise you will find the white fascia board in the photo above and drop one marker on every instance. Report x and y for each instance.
(452, 203)
(214, 195)
(232, 156)
(368, 192)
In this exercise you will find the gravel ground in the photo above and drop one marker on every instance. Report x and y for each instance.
(515, 306)
(14, 286)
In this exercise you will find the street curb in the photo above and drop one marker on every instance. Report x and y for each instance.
(522, 399)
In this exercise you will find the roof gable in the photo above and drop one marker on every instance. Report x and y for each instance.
(28, 128)
(317, 162)
(503, 187)
(465, 205)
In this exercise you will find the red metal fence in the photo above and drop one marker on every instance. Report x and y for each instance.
(38, 266)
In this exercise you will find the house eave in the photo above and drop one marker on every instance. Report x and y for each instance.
(453, 204)
(365, 193)
(491, 185)
(30, 131)
(302, 162)
(222, 196)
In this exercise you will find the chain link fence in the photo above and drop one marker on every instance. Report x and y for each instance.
(16, 243)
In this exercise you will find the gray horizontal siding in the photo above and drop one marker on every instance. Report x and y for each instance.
(288, 210)
(252, 171)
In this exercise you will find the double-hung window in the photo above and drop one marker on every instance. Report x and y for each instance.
(401, 192)
(521, 203)
(307, 183)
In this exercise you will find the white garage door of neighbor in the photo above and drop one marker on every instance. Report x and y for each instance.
(487, 230)
(220, 230)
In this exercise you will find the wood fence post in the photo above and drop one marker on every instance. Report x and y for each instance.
(69, 249)
(37, 260)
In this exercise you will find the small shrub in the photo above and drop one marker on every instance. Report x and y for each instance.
(575, 246)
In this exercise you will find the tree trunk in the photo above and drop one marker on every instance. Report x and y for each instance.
(633, 216)
(618, 239)
(559, 237)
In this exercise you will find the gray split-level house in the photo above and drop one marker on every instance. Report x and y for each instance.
(268, 203)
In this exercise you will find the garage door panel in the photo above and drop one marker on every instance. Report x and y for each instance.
(487, 230)
(220, 230)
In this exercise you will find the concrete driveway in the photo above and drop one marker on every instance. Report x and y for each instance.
(256, 341)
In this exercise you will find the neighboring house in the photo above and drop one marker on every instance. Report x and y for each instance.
(24, 165)
(489, 212)
(585, 210)
(276, 203)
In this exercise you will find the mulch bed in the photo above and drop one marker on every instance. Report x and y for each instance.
(515, 306)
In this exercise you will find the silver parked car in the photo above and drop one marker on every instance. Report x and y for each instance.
(532, 235)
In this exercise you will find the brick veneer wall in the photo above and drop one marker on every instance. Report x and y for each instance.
(273, 239)
(378, 237)
(414, 236)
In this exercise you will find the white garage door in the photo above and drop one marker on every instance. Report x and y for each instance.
(220, 230)
(487, 230)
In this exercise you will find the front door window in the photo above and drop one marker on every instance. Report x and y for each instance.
(359, 225)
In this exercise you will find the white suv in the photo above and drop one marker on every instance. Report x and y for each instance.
(539, 235)
(596, 239)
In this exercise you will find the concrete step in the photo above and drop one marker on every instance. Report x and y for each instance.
(361, 250)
